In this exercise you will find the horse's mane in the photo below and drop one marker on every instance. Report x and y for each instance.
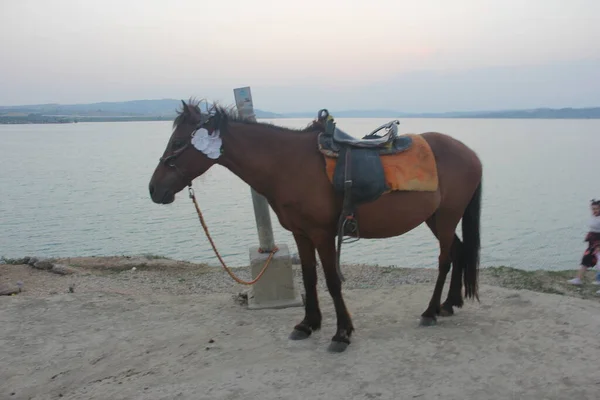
(225, 115)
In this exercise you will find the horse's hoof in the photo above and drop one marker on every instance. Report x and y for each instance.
(337, 347)
(298, 335)
(428, 321)
(444, 312)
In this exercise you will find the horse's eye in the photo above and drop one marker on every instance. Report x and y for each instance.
(177, 144)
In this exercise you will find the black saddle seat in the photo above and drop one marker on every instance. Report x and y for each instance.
(334, 139)
(371, 140)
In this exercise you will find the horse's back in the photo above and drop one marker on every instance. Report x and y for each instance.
(452, 153)
(459, 168)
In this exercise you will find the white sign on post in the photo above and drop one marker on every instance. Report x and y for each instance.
(243, 102)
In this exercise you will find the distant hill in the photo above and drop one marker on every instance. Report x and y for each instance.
(165, 109)
(134, 108)
(542, 113)
(131, 108)
(380, 114)
(348, 114)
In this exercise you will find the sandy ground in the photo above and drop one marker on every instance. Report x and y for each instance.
(174, 331)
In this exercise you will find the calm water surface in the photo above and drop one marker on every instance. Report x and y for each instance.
(81, 189)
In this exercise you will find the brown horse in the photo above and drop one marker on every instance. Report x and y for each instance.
(286, 167)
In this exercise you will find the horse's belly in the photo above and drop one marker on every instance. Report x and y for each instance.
(395, 213)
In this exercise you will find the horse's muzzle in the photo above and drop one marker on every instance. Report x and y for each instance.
(161, 196)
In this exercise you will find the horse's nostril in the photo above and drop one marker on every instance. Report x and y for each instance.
(151, 188)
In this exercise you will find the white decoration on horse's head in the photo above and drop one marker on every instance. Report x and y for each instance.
(209, 144)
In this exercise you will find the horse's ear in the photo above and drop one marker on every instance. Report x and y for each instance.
(185, 110)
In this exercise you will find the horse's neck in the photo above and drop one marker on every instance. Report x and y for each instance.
(261, 156)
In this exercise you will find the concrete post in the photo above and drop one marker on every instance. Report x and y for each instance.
(276, 287)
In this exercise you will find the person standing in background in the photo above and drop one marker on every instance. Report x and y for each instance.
(592, 253)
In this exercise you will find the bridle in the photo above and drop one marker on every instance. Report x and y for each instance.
(169, 161)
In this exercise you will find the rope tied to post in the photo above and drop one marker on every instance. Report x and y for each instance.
(225, 267)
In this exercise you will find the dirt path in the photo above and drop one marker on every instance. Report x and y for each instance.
(108, 341)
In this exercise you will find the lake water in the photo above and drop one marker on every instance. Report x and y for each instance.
(81, 189)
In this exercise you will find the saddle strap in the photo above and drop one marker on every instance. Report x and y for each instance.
(346, 208)
(347, 214)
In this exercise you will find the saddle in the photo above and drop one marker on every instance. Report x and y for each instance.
(359, 175)
(333, 140)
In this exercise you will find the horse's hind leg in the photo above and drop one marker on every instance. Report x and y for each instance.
(443, 228)
(455, 292)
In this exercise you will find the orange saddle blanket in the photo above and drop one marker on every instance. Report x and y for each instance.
(414, 169)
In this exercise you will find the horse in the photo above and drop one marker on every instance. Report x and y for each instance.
(286, 167)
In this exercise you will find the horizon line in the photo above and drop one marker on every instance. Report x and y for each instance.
(347, 110)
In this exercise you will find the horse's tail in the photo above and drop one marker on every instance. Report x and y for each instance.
(471, 244)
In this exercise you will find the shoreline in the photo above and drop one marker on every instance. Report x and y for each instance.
(151, 273)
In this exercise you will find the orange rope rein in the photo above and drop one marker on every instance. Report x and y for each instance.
(227, 269)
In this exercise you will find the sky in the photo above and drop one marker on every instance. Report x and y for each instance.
(414, 56)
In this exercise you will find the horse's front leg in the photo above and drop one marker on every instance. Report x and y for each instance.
(326, 250)
(312, 317)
